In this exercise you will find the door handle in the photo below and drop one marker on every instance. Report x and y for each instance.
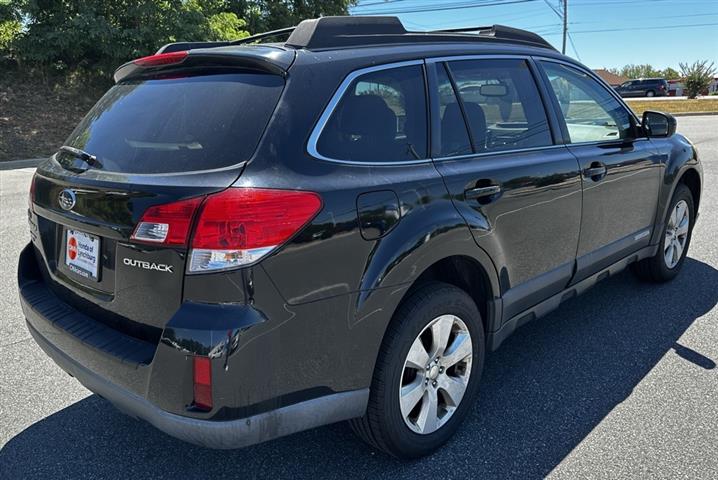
(481, 192)
(595, 171)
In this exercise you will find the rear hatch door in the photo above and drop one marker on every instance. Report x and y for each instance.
(157, 140)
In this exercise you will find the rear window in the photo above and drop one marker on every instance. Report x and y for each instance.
(177, 124)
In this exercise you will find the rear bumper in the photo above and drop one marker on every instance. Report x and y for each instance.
(127, 372)
(225, 435)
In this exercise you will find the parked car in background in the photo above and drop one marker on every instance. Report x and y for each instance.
(645, 87)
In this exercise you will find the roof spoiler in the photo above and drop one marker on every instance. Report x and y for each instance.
(262, 59)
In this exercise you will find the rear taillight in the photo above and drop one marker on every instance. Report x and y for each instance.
(233, 228)
(239, 226)
(167, 224)
(161, 59)
(202, 382)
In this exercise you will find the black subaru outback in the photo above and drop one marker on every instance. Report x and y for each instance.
(241, 241)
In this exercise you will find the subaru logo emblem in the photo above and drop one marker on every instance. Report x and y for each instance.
(66, 199)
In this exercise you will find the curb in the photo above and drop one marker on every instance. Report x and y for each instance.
(694, 114)
(27, 163)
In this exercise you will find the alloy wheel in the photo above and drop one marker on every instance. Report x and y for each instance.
(435, 374)
(676, 234)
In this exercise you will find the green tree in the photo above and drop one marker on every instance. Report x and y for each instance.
(10, 26)
(671, 74)
(97, 36)
(637, 71)
(697, 76)
(226, 26)
(265, 15)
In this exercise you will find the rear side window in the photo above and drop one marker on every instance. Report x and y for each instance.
(178, 124)
(502, 104)
(381, 118)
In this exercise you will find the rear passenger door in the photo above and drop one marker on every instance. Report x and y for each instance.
(621, 170)
(637, 88)
(518, 190)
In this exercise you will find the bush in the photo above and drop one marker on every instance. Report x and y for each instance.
(88, 39)
(96, 37)
(697, 77)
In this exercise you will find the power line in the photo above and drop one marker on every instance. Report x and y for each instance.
(565, 25)
(573, 45)
(555, 10)
(613, 30)
(382, 2)
(450, 6)
(563, 14)
(472, 20)
(637, 2)
(647, 28)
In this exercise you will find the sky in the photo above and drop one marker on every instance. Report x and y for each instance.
(605, 33)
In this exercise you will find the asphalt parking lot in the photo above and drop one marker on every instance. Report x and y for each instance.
(621, 382)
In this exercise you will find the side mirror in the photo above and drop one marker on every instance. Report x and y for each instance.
(658, 124)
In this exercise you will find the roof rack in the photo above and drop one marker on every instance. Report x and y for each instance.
(502, 32)
(353, 31)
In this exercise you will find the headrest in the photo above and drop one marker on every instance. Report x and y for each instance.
(367, 115)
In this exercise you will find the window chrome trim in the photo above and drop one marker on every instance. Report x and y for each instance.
(478, 56)
(500, 152)
(341, 90)
(336, 98)
(539, 58)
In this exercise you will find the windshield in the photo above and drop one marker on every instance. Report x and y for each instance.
(177, 124)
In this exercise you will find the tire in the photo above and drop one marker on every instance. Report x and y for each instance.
(430, 308)
(650, 93)
(661, 268)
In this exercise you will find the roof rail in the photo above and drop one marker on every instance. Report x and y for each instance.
(264, 35)
(353, 31)
(502, 32)
(356, 31)
(181, 46)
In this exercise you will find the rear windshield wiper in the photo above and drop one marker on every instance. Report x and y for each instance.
(82, 155)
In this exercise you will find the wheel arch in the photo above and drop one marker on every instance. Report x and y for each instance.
(692, 179)
(459, 269)
(682, 167)
(467, 274)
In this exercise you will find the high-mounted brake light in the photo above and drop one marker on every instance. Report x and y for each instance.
(161, 59)
(167, 224)
(202, 382)
(238, 226)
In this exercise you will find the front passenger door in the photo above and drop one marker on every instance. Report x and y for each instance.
(620, 168)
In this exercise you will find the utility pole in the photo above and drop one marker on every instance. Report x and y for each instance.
(565, 25)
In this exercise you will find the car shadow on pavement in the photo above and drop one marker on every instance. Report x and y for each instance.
(543, 391)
